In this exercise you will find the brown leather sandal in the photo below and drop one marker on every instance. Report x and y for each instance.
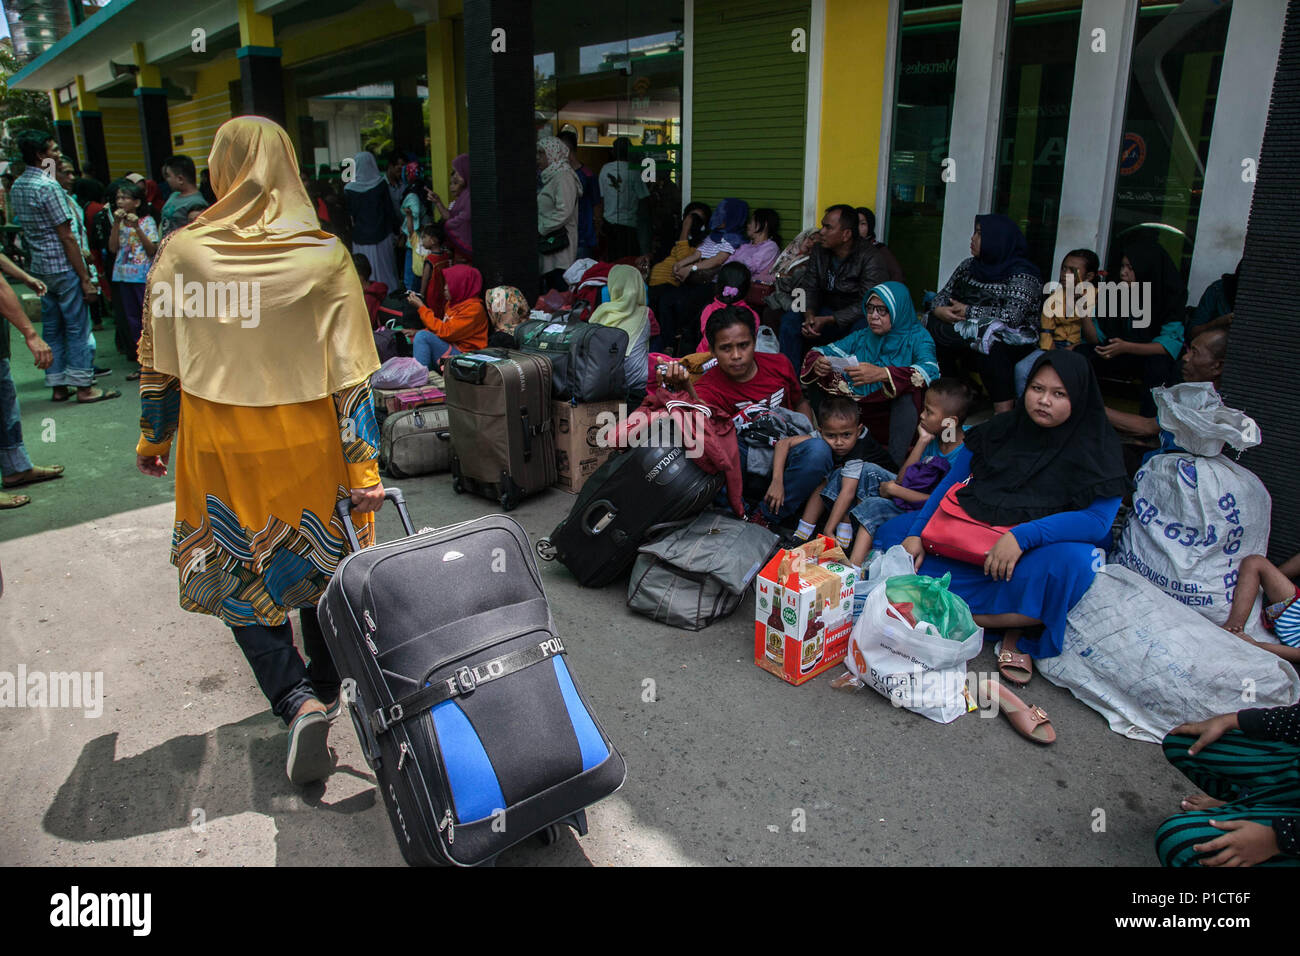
(1009, 663)
(14, 501)
(1030, 722)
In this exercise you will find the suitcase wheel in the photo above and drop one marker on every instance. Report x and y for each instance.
(545, 549)
(549, 835)
(511, 493)
(457, 485)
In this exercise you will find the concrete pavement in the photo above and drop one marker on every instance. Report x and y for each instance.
(186, 766)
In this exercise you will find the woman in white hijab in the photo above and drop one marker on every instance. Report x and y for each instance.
(557, 209)
(373, 220)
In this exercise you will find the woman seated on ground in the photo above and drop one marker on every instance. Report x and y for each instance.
(867, 231)
(727, 229)
(990, 304)
(785, 274)
(464, 326)
(1053, 471)
(626, 310)
(896, 361)
(1144, 346)
(680, 308)
(1218, 299)
(1249, 814)
(695, 227)
(748, 385)
(760, 252)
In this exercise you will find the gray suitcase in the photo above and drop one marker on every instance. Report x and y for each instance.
(700, 572)
(502, 444)
(416, 441)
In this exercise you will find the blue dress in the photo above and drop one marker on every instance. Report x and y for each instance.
(1062, 553)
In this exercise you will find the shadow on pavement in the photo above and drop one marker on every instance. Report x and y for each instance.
(235, 769)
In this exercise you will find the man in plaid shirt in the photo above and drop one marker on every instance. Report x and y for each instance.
(36, 201)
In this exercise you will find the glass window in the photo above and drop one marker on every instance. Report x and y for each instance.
(925, 85)
(1177, 58)
(613, 68)
(1035, 121)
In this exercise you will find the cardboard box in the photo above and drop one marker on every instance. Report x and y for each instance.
(803, 616)
(577, 451)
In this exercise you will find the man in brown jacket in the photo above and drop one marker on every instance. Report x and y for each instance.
(840, 273)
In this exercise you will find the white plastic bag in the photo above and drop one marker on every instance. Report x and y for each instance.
(883, 566)
(915, 667)
(767, 341)
(1196, 515)
(1148, 663)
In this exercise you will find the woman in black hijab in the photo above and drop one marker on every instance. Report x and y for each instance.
(990, 305)
(1144, 346)
(1052, 470)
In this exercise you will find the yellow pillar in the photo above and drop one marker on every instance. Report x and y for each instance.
(849, 150)
(85, 99)
(255, 29)
(61, 111)
(441, 69)
(148, 76)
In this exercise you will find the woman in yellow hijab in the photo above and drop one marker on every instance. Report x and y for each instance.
(256, 355)
(626, 310)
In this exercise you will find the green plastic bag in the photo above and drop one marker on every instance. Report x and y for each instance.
(933, 603)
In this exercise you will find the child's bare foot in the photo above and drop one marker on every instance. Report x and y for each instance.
(1201, 801)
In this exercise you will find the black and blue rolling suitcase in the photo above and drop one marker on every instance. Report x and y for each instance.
(460, 691)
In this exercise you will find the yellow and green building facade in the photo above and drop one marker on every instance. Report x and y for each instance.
(1081, 119)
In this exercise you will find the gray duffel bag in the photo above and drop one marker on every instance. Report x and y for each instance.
(699, 573)
(416, 441)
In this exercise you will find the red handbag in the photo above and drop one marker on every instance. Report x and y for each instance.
(952, 533)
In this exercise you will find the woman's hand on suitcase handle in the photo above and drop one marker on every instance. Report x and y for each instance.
(367, 499)
(913, 546)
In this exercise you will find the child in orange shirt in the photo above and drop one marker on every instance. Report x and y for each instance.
(464, 325)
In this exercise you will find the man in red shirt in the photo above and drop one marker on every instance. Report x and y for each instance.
(747, 385)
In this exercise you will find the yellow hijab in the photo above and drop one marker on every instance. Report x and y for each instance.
(252, 303)
(626, 307)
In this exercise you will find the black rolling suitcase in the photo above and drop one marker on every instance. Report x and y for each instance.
(629, 498)
(499, 412)
(586, 359)
(460, 693)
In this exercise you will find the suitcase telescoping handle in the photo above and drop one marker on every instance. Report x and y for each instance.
(344, 509)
